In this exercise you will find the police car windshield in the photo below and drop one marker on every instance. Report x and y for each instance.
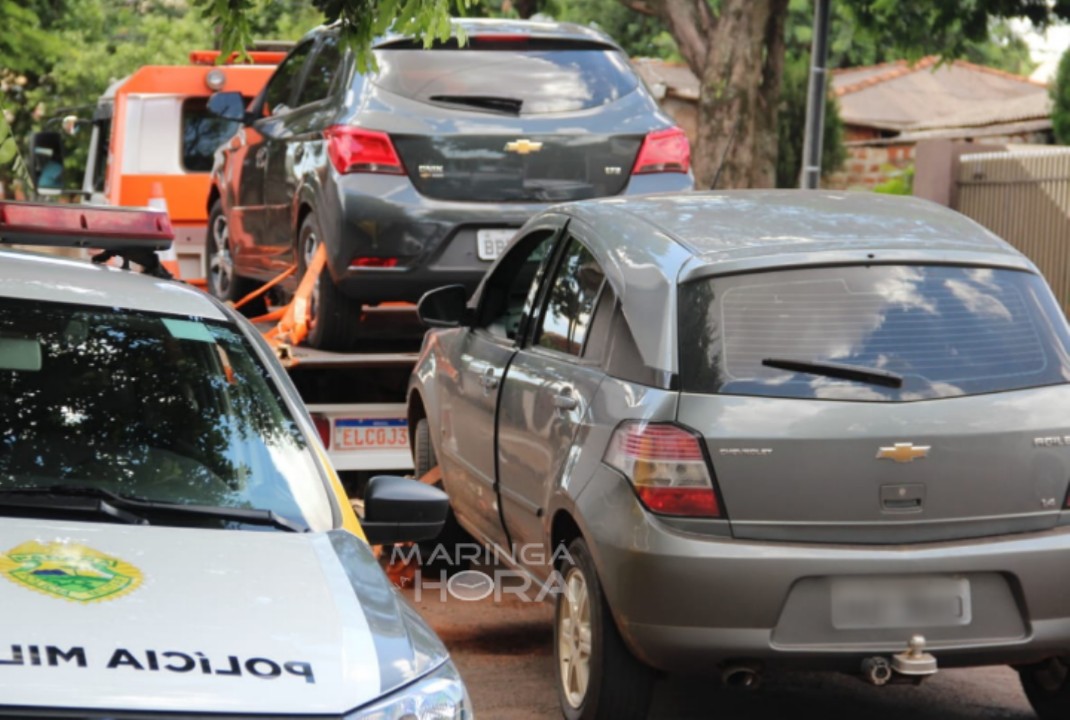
(169, 409)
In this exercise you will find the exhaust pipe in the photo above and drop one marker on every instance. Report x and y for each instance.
(741, 677)
(877, 670)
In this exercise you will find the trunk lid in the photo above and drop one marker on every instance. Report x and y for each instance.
(518, 166)
(812, 470)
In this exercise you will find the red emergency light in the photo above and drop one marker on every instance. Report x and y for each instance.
(84, 226)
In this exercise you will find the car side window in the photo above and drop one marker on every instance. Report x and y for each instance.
(321, 72)
(570, 303)
(509, 294)
(280, 88)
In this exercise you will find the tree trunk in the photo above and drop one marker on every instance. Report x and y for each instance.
(738, 57)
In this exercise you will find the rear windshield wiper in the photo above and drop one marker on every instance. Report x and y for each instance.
(88, 499)
(873, 376)
(484, 102)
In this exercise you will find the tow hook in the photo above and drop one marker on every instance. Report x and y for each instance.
(914, 661)
(911, 665)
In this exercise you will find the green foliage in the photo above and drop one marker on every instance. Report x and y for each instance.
(899, 182)
(1060, 96)
(639, 35)
(361, 21)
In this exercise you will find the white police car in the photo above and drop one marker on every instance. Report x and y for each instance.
(173, 541)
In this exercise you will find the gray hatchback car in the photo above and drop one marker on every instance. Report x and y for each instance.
(417, 174)
(763, 429)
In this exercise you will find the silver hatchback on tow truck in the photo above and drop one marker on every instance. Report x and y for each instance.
(768, 428)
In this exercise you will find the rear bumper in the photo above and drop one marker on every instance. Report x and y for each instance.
(434, 242)
(688, 601)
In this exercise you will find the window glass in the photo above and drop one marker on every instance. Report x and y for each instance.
(281, 86)
(202, 134)
(321, 72)
(510, 292)
(159, 408)
(947, 331)
(523, 82)
(570, 302)
(102, 128)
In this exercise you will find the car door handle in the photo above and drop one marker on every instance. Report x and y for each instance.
(566, 401)
(488, 380)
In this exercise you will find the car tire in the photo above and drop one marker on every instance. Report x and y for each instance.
(334, 319)
(1047, 686)
(617, 686)
(219, 272)
(423, 460)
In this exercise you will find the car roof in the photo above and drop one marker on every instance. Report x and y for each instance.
(753, 223)
(649, 244)
(49, 278)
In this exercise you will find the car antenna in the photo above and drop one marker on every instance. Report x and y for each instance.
(724, 155)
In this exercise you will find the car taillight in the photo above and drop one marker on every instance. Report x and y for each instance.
(379, 262)
(323, 427)
(664, 151)
(667, 468)
(354, 149)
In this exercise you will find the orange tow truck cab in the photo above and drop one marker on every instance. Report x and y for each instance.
(152, 133)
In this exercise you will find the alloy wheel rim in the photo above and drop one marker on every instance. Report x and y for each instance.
(220, 264)
(574, 638)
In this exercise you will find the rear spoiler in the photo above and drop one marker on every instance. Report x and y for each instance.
(132, 234)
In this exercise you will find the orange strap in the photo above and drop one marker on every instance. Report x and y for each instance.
(266, 286)
(293, 326)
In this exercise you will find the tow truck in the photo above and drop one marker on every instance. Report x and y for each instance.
(153, 139)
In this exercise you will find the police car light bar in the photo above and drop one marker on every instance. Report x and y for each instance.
(112, 229)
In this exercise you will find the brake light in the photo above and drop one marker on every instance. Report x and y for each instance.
(378, 262)
(667, 468)
(490, 38)
(664, 151)
(354, 149)
(323, 427)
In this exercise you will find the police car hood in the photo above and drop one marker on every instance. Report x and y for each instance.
(176, 619)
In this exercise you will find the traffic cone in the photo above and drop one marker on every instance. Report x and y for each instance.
(168, 257)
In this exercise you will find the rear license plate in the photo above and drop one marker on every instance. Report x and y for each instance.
(370, 433)
(900, 602)
(490, 243)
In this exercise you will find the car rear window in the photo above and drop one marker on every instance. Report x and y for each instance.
(529, 81)
(947, 331)
(169, 409)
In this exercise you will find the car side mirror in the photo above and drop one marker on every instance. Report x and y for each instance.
(398, 509)
(444, 307)
(46, 161)
(227, 105)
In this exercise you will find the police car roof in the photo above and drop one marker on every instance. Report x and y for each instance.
(47, 278)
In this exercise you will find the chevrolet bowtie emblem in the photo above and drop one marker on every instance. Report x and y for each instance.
(903, 452)
(523, 146)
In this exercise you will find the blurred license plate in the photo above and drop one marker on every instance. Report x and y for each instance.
(490, 243)
(370, 433)
(900, 602)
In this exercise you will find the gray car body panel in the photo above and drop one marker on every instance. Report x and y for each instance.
(688, 593)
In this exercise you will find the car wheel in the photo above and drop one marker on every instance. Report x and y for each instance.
(424, 459)
(1047, 688)
(597, 676)
(423, 452)
(334, 319)
(219, 272)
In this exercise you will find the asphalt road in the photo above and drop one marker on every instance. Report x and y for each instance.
(504, 651)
